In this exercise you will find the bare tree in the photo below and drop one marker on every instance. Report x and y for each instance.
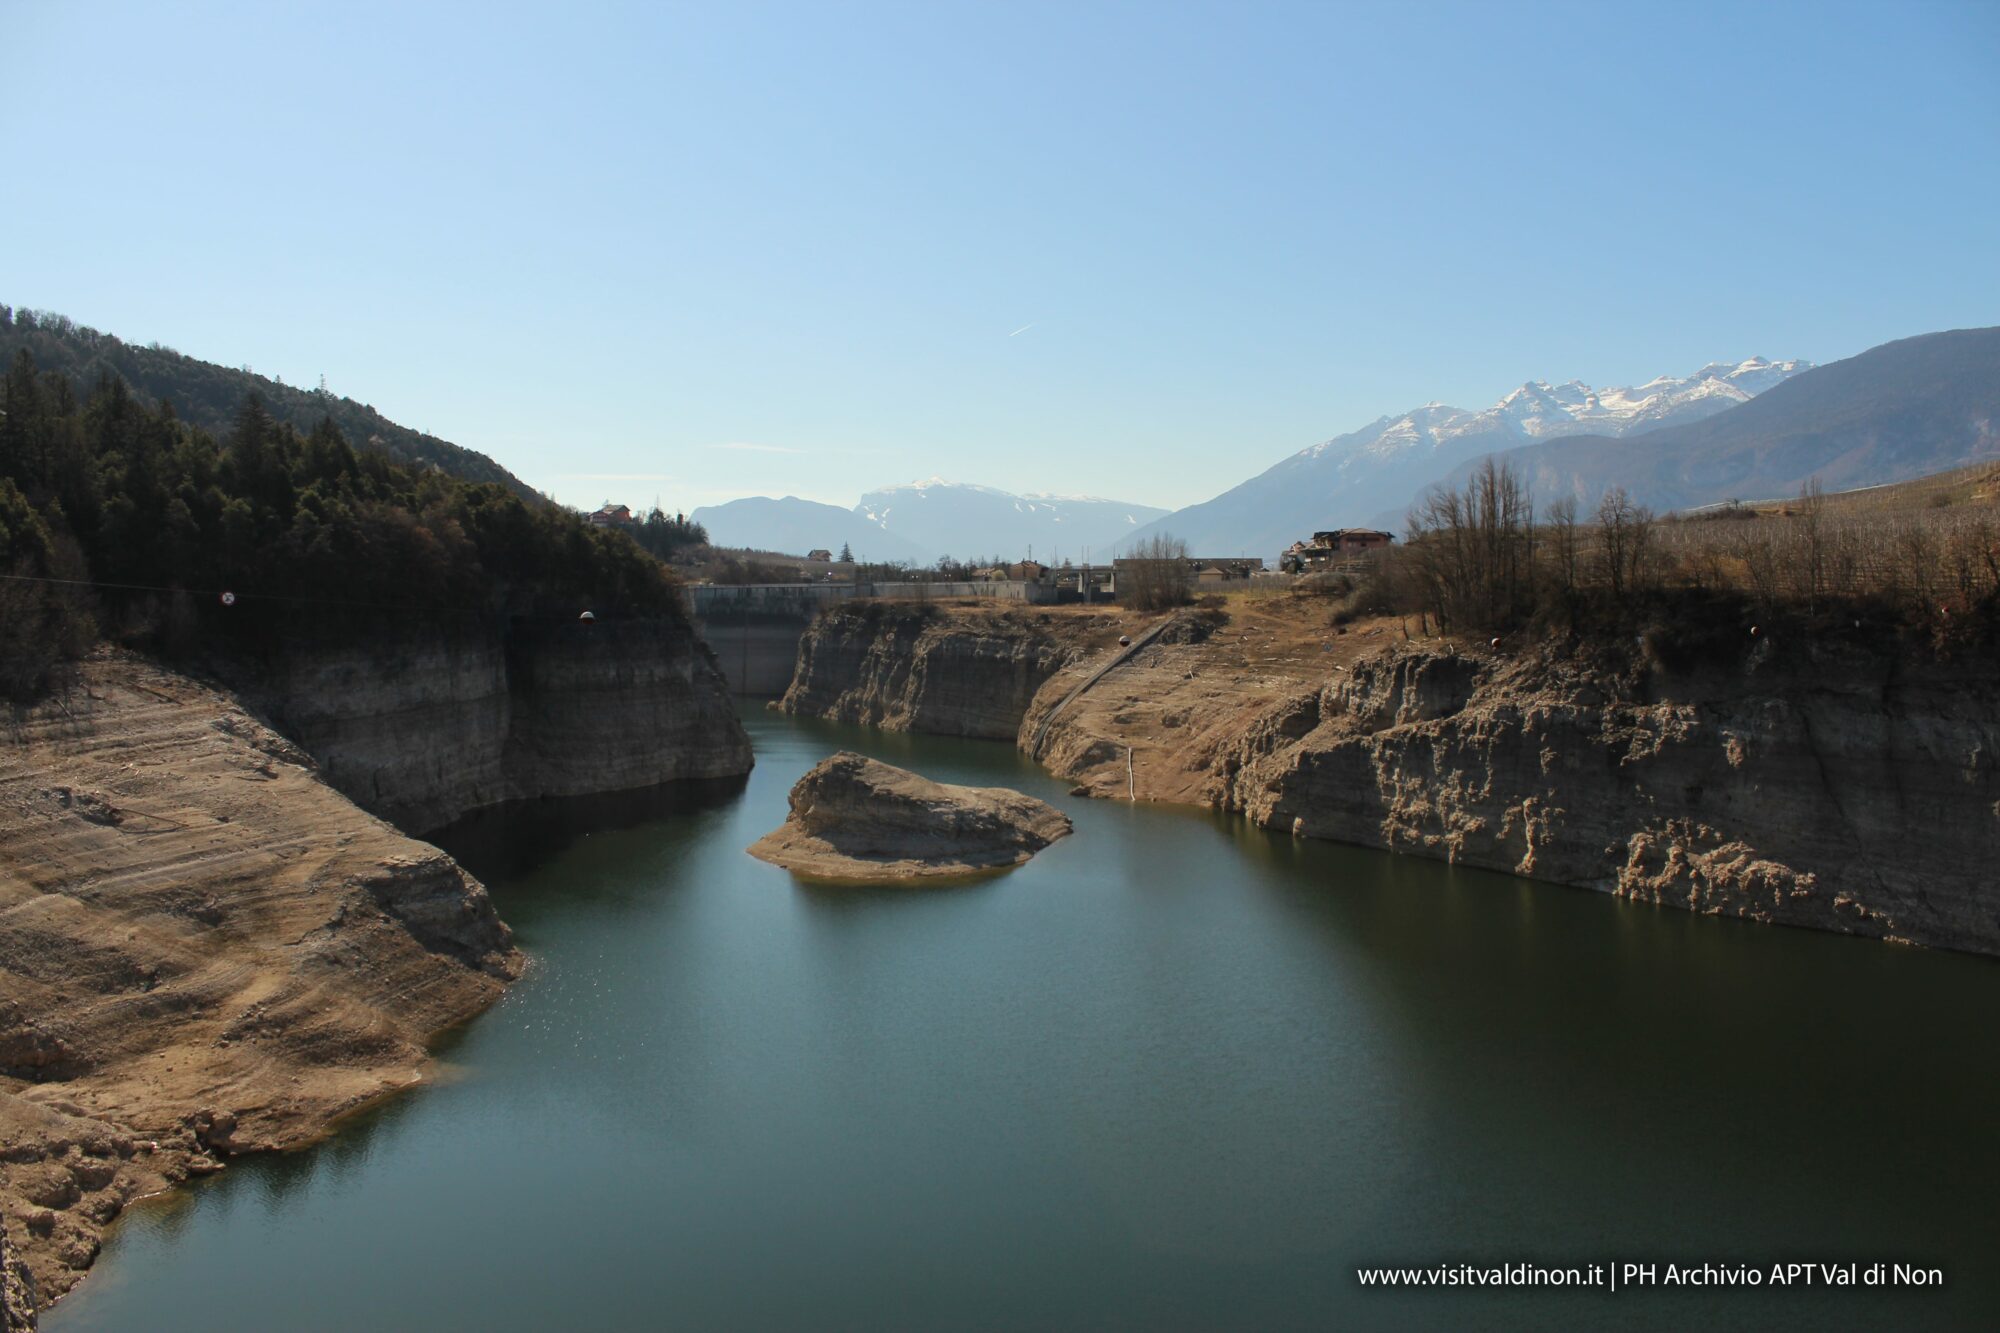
(1472, 552)
(1625, 541)
(1156, 574)
(1812, 528)
(1565, 546)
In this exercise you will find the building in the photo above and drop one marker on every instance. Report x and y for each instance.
(611, 516)
(1336, 546)
(820, 553)
(1355, 539)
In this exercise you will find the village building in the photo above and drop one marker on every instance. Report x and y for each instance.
(820, 553)
(611, 516)
(1336, 546)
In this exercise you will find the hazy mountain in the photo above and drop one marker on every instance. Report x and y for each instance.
(1368, 476)
(207, 395)
(1901, 410)
(967, 521)
(795, 526)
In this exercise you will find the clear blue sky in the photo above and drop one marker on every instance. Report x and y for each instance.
(700, 251)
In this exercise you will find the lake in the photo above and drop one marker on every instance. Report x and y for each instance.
(1176, 1072)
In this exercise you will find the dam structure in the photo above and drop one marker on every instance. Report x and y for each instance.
(755, 628)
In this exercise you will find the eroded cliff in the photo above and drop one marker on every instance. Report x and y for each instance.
(1815, 783)
(204, 950)
(1835, 782)
(423, 724)
(914, 667)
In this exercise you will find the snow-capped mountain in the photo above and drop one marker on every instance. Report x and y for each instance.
(1906, 409)
(969, 521)
(1539, 410)
(1366, 476)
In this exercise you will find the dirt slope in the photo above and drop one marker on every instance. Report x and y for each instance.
(204, 949)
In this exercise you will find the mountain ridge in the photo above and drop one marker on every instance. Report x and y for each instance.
(206, 394)
(794, 526)
(980, 521)
(1362, 475)
(1911, 407)
(921, 521)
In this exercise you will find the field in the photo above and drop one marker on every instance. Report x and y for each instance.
(1933, 542)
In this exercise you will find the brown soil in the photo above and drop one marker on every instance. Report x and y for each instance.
(1176, 705)
(204, 950)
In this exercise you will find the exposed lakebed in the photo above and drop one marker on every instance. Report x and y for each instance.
(1174, 1072)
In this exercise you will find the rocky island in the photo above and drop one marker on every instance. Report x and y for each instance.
(855, 818)
(1829, 777)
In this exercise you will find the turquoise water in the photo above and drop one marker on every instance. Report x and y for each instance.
(1173, 1073)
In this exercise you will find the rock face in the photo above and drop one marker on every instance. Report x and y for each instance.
(17, 1299)
(1823, 786)
(204, 950)
(1830, 783)
(857, 818)
(423, 725)
(913, 668)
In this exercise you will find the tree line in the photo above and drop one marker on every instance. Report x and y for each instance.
(207, 395)
(120, 518)
(1480, 558)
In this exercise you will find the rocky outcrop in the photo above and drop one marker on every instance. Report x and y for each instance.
(421, 725)
(204, 950)
(912, 667)
(1839, 783)
(17, 1297)
(859, 819)
(1822, 785)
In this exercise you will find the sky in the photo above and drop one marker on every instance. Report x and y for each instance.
(1144, 251)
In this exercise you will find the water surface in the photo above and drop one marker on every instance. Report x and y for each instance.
(1174, 1073)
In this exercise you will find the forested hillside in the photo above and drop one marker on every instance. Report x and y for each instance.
(119, 517)
(207, 395)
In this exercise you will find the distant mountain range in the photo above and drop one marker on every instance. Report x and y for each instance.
(1904, 409)
(1371, 475)
(924, 520)
(1749, 430)
(207, 395)
(960, 519)
(794, 527)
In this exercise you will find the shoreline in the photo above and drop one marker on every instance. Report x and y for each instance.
(1822, 780)
(205, 951)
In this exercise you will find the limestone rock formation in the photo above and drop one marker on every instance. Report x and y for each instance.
(915, 668)
(1836, 781)
(860, 819)
(1825, 785)
(420, 725)
(204, 950)
(17, 1299)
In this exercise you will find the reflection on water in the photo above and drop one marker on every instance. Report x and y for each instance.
(1174, 1072)
(509, 841)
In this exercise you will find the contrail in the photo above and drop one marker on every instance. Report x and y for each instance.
(1023, 329)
